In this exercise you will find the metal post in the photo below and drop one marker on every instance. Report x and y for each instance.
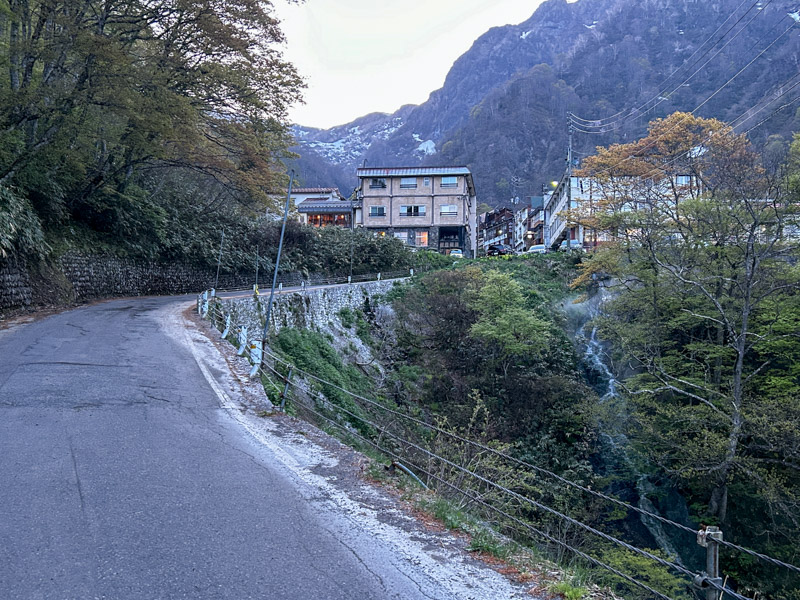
(569, 184)
(709, 538)
(352, 233)
(219, 259)
(286, 388)
(256, 285)
(278, 259)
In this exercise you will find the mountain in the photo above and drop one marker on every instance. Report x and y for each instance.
(503, 108)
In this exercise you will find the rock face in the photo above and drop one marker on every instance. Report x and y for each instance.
(502, 110)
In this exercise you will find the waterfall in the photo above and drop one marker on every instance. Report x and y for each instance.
(615, 413)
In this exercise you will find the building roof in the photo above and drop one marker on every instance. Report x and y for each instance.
(315, 190)
(410, 171)
(326, 207)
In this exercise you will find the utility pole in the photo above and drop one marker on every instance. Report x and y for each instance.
(277, 260)
(569, 179)
(219, 258)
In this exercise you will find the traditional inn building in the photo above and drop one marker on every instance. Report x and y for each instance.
(426, 207)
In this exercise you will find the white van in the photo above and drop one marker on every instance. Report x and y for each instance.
(537, 249)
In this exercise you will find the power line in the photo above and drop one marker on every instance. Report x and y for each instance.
(662, 97)
(640, 107)
(522, 463)
(774, 561)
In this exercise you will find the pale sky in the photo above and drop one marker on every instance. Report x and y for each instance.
(363, 56)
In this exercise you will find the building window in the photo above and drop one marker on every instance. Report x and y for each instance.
(412, 211)
(426, 182)
(422, 239)
(408, 183)
(377, 183)
(402, 236)
(450, 181)
(377, 211)
(448, 210)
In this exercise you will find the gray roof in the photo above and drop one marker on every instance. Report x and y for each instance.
(410, 171)
(326, 207)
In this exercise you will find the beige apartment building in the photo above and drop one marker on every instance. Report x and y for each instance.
(425, 207)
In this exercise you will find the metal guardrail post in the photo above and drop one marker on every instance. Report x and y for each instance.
(242, 340)
(256, 352)
(286, 388)
(227, 329)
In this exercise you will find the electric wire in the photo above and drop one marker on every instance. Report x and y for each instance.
(616, 125)
(525, 464)
(664, 90)
(536, 468)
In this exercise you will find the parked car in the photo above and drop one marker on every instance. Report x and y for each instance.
(573, 245)
(457, 253)
(537, 249)
(499, 250)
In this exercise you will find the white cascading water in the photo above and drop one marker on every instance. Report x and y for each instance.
(616, 414)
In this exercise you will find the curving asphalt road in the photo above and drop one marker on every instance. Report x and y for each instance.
(121, 476)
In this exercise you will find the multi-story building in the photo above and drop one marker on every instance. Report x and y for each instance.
(425, 207)
(581, 194)
(522, 212)
(497, 227)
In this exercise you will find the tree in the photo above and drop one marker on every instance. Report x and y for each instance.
(104, 100)
(706, 316)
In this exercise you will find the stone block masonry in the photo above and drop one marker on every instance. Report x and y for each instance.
(314, 308)
(76, 277)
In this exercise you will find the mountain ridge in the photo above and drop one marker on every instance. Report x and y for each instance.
(502, 109)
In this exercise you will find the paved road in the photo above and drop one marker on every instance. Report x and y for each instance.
(122, 477)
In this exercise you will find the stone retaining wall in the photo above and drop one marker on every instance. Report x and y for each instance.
(15, 285)
(315, 308)
(75, 277)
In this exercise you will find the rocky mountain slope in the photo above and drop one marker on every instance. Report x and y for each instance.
(503, 107)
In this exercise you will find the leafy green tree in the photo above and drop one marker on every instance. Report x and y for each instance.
(706, 317)
(112, 110)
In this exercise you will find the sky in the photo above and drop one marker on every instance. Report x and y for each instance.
(363, 56)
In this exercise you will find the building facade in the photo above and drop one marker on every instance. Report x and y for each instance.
(425, 207)
(497, 227)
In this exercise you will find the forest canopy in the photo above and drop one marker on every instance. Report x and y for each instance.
(134, 123)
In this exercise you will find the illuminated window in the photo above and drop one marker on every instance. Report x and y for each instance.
(422, 239)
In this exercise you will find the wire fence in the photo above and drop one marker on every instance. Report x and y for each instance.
(515, 495)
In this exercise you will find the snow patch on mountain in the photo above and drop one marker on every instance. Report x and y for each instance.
(343, 145)
(427, 147)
